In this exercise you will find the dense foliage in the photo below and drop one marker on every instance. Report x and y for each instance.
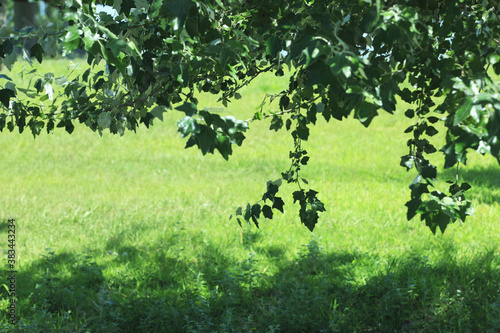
(345, 58)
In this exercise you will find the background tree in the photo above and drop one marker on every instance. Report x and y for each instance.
(345, 58)
(25, 13)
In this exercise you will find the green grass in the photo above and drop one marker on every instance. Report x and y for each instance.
(131, 234)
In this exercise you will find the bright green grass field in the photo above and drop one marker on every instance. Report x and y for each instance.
(132, 233)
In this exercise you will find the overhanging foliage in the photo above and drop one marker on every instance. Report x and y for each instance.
(346, 58)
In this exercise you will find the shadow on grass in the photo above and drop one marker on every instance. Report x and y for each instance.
(344, 291)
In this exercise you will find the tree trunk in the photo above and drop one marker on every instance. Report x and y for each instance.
(25, 13)
(25, 16)
(3, 17)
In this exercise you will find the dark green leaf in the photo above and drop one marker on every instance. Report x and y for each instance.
(463, 112)
(454, 189)
(192, 27)
(5, 96)
(413, 206)
(39, 85)
(284, 102)
(147, 119)
(69, 127)
(298, 196)
(431, 131)
(433, 120)
(158, 111)
(278, 204)
(188, 108)
(178, 10)
(302, 132)
(256, 210)
(319, 73)
(267, 212)
(37, 52)
(407, 161)
(429, 172)
(276, 123)
(223, 145)
(116, 46)
(410, 113)
(465, 186)
(409, 129)
(206, 139)
(365, 112)
(6, 48)
(273, 46)
(437, 219)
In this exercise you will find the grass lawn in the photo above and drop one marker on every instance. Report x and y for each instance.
(131, 234)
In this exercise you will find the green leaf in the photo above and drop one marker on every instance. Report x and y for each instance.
(429, 172)
(319, 73)
(465, 186)
(6, 47)
(267, 212)
(178, 9)
(410, 113)
(72, 33)
(273, 46)
(116, 46)
(192, 22)
(71, 39)
(37, 52)
(206, 139)
(104, 120)
(154, 8)
(311, 114)
(284, 102)
(69, 127)
(303, 132)
(463, 112)
(298, 196)
(278, 204)
(431, 131)
(158, 111)
(433, 120)
(340, 63)
(365, 112)
(188, 108)
(11, 86)
(272, 189)
(413, 206)
(89, 38)
(223, 145)
(276, 123)
(187, 125)
(435, 219)
(49, 91)
(5, 95)
(407, 161)
(256, 210)
(239, 211)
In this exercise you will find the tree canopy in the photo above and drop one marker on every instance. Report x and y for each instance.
(346, 58)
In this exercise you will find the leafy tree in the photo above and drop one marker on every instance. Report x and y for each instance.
(346, 58)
